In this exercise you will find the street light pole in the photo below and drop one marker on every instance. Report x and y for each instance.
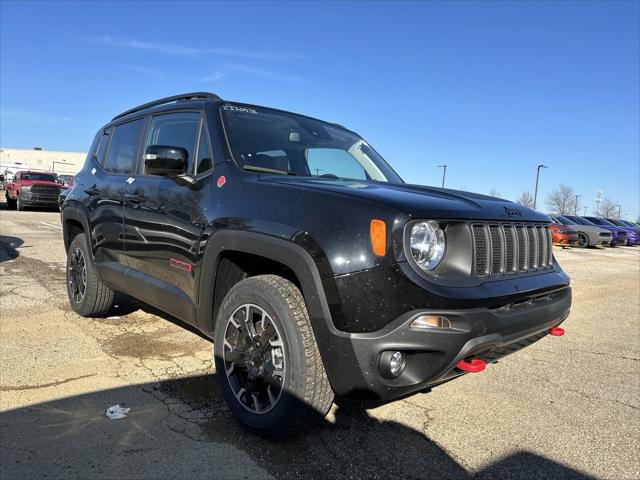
(575, 210)
(618, 212)
(444, 172)
(535, 194)
(585, 212)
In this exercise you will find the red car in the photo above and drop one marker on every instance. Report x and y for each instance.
(29, 188)
(563, 234)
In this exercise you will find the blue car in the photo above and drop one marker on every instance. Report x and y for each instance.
(633, 233)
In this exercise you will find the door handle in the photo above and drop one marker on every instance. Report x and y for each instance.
(92, 191)
(133, 198)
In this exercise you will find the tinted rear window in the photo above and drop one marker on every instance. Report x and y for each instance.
(122, 150)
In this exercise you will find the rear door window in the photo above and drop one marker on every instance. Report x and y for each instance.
(123, 147)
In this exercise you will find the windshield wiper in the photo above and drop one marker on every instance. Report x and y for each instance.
(253, 168)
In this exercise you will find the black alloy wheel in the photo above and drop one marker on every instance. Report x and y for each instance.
(254, 358)
(77, 275)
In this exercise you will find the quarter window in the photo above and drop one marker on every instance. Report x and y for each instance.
(122, 150)
(175, 130)
(102, 146)
(205, 162)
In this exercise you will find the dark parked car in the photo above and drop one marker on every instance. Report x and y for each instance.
(589, 235)
(633, 233)
(313, 267)
(620, 235)
(65, 180)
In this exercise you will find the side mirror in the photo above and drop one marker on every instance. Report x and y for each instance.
(165, 161)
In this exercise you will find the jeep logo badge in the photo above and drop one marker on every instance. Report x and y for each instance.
(512, 212)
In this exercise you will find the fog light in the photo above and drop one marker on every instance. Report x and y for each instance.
(431, 321)
(396, 363)
(391, 364)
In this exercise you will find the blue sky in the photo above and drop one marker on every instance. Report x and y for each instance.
(489, 88)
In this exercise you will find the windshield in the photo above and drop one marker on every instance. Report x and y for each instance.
(600, 221)
(263, 140)
(566, 221)
(582, 221)
(44, 177)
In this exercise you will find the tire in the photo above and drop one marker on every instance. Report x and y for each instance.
(96, 298)
(19, 204)
(10, 202)
(584, 240)
(290, 363)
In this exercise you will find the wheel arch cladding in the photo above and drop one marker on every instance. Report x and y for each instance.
(241, 254)
(73, 222)
(300, 262)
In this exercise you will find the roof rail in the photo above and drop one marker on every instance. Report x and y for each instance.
(174, 98)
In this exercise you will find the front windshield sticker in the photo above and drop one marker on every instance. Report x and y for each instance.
(234, 108)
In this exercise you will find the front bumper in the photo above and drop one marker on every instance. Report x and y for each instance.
(604, 239)
(36, 199)
(431, 355)
(565, 239)
(617, 239)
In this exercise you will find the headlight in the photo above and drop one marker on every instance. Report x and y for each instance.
(25, 187)
(427, 244)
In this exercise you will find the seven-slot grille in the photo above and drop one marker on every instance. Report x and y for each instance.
(506, 248)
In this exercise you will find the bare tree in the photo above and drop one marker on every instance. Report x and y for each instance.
(494, 193)
(562, 200)
(525, 199)
(607, 208)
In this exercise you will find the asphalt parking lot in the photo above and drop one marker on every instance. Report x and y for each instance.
(566, 407)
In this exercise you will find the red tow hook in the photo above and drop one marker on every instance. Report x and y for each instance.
(556, 332)
(474, 366)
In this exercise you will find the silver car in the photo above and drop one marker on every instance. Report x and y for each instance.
(590, 235)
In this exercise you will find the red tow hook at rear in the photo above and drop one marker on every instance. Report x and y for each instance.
(556, 332)
(474, 366)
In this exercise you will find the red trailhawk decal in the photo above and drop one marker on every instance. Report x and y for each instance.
(181, 265)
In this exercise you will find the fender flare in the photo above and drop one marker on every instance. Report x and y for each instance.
(76, 213)
(335, 346)
(279, 250)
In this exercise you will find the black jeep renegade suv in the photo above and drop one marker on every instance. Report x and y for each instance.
(313, 267)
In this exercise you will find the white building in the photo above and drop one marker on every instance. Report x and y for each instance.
(37, 159)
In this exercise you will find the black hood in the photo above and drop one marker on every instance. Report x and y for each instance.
(419, 201)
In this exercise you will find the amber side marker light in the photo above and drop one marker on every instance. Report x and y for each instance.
(378, 235)
(425, 322)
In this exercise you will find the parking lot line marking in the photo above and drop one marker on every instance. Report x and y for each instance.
(52, 226)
